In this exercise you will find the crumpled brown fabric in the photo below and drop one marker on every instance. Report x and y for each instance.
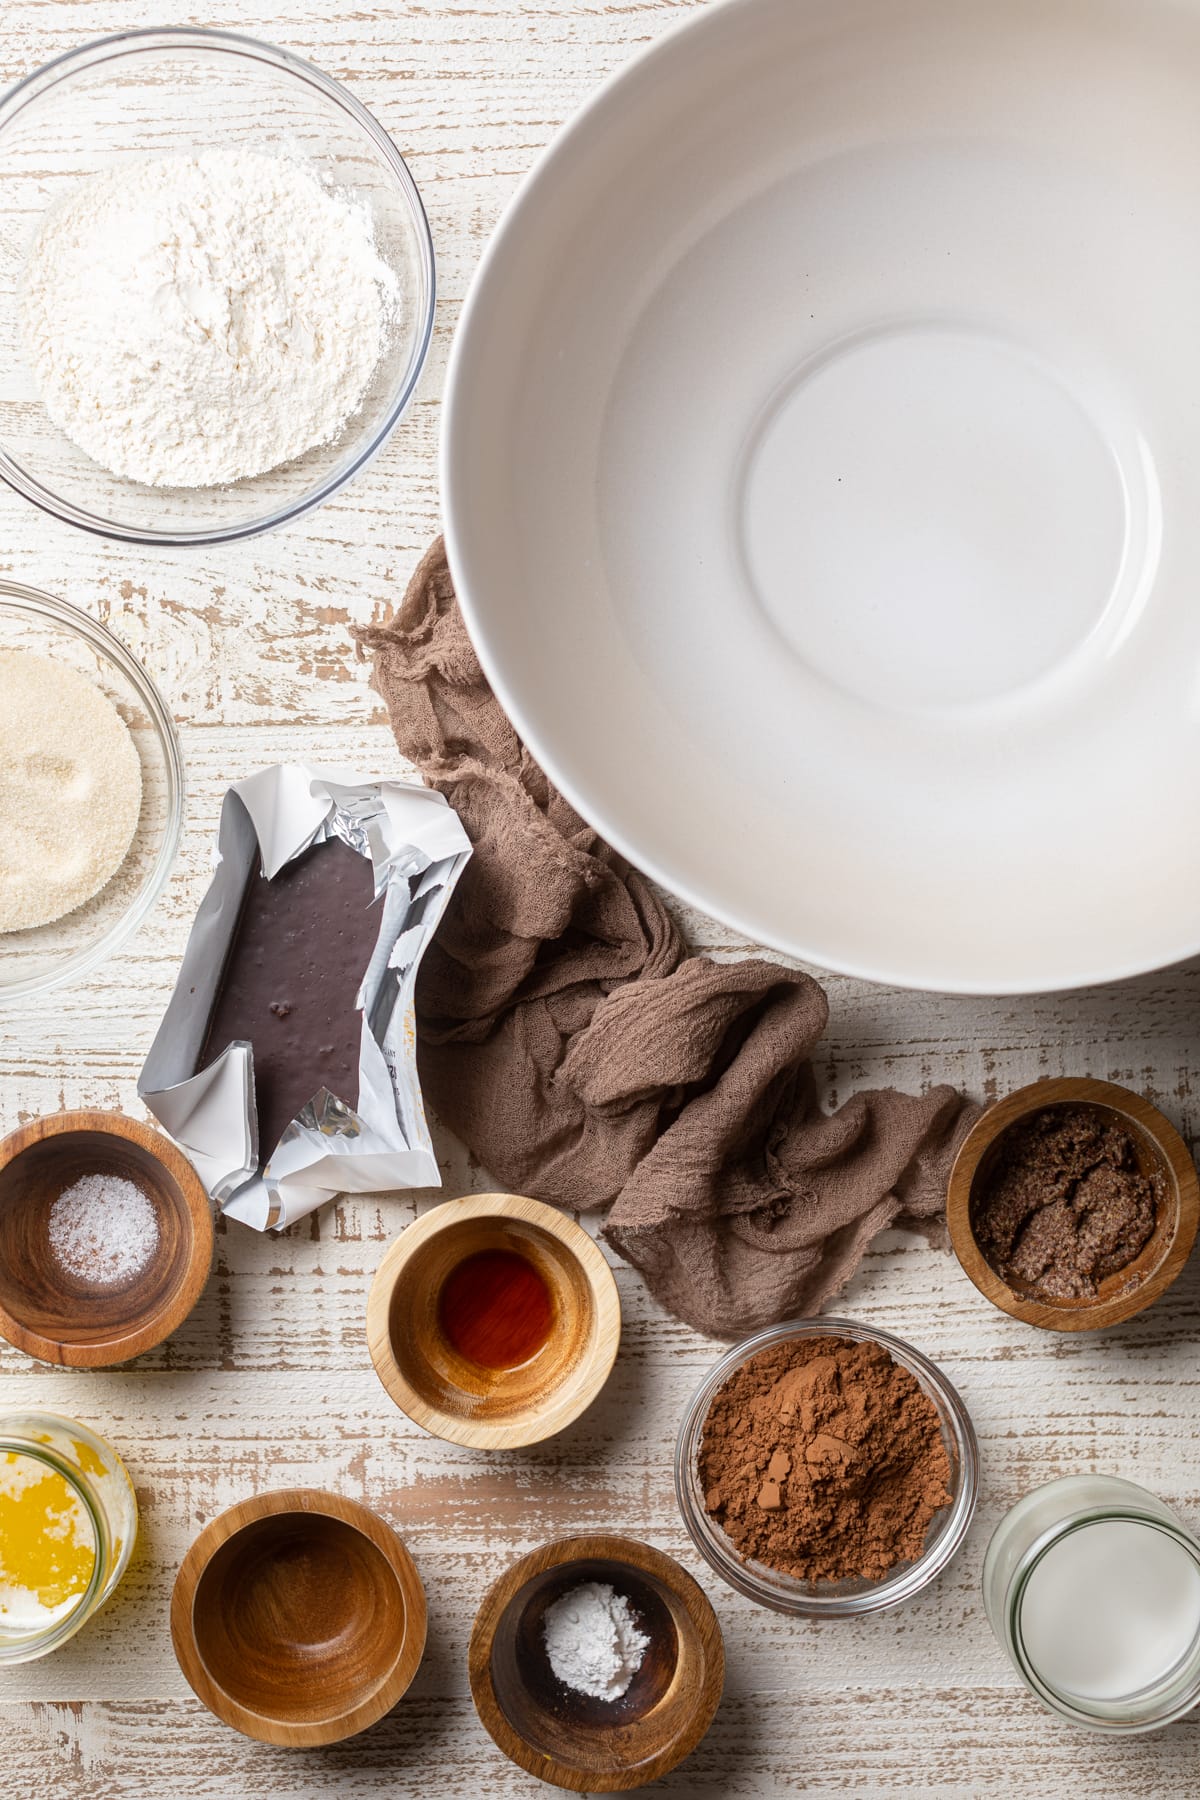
(567, 1036)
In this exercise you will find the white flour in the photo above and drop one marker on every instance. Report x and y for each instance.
(195, 319)
(592, 1641)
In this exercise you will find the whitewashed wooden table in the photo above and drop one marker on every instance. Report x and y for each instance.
(269, 1383)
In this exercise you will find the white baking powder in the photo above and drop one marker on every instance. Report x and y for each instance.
(195, 319)
(592, 1641)
(103, 1230)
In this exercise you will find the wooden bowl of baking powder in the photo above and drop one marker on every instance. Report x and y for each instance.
(578, 1740)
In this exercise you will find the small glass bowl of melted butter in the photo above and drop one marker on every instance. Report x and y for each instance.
(68, 1521)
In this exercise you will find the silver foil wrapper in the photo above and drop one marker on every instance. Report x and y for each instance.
(417, 848)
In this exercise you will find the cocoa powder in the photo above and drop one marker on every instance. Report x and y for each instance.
(823, 1458)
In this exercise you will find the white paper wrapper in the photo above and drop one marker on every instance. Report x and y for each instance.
(417, 849)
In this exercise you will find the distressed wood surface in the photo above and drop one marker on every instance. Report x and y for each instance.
(269, 1382)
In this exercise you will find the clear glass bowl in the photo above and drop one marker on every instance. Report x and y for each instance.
(99, 1481)
(32, 961)
(842, 1599)
(1033, 1530)
(143, 93)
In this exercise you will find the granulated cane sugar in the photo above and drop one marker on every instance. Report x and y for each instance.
(70, 790)
(103, 1230)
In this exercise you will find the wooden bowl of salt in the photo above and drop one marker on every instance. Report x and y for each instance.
(568, 1626)
(106, 1238)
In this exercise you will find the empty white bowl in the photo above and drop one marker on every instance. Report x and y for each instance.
(819, 471)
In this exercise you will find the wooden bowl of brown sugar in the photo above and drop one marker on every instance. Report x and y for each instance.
(1073, 1204)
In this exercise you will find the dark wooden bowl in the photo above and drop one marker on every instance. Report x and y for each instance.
(569, 1739)
(298, 1617)
(455, 1399)
(58, 1317)
(1158, 1146)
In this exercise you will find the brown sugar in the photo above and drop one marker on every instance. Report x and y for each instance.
(823, 1458)
(1065, 1203)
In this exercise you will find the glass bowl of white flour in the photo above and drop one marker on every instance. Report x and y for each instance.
(91, 793)
(216, 287)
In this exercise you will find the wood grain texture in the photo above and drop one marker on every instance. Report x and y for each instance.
(268, 1382)
(298, 1617)
(508, 1409)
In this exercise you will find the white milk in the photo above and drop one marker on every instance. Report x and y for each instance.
(1110, 1610)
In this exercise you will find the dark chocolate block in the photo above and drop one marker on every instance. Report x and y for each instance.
(300, 950)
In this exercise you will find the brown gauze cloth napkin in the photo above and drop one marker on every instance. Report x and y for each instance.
(569, 1039)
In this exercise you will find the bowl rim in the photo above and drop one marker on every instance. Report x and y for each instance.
(470, 575)
(15, 595)
(40, 1643)
(645, 1559)
(563, 1405)
(181, 1298)
(142, 39)
(753, 1579)
(1184, 1200)
(298, 1502)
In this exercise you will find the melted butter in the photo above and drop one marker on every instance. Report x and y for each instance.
(88, 1460)
(47, 1544)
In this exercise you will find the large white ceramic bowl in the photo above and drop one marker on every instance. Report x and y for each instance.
(820, 471)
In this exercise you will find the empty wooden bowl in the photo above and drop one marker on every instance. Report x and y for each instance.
(298, 1617)
(570, 1739)
(1159, 1148)
(493, 1321)
(62, 1317)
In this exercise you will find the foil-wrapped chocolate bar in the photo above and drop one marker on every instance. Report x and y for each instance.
(285, 1064)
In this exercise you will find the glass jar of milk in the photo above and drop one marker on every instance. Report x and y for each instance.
(1092, 1585)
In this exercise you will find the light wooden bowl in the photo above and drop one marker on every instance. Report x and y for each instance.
(569, 1739)
(298, 1617)
(57, 1317)
(456, 1399)
(1159, 1146)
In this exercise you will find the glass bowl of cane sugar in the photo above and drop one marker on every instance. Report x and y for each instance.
(850, 1595)
(37, 630)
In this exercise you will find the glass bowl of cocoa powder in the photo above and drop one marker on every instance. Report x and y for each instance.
(827, 1469)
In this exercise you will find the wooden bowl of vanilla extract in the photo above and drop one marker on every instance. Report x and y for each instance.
(493, 1321)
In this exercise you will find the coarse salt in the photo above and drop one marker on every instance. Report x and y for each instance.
(593, 1642)
(103, 1230)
